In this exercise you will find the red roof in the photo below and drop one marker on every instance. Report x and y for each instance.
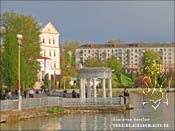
(42, 57)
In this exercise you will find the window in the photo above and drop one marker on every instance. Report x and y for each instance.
(50, 53)
(43, 40)
(49, 41)
(53, 41)
(54, 53)
(44, 53)
(48, 63)
(55, 64)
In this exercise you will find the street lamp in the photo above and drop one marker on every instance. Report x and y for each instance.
(19, 37)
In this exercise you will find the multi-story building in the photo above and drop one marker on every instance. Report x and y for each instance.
(130, 54)
(50, 51)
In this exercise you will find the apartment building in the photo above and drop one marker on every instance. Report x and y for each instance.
(130, 54)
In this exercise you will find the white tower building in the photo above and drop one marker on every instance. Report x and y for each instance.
(50, 51)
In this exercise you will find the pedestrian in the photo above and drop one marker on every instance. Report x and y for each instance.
(25, 93)
(74, 94)
(31, 93)
(9, 96)
(64, 93)
(125, 95)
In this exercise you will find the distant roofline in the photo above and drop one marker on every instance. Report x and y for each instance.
(126, 45)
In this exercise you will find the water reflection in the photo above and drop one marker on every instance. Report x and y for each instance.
(101, 121)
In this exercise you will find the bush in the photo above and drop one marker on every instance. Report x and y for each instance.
(55, 109)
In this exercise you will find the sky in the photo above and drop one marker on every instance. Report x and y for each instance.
(100, 21)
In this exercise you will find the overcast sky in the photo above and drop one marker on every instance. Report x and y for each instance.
(100, 21)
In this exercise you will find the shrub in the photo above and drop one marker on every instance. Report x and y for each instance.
(55, 109)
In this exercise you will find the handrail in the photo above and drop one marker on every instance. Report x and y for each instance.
(6, 105)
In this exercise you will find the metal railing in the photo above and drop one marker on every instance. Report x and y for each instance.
(6, 105)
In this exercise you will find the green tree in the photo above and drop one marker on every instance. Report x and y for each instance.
(9, 58)
(46, 81)
(115, 64)
(152, 66)
(14, 24)
(0, 66)
(94, 62)
(68, 67)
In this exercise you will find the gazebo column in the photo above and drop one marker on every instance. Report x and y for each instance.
(81, 88)
(110, 87)
(94, 88)
(104, 88)
(88, 88)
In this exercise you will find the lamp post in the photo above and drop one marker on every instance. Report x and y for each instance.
(19, 37)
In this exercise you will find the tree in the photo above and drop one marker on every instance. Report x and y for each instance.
(46, 81)
(151, 60)
(115, 64)
(152, 66)
(9, 58)
(0, 67)
(14, 24)
(94, 62)
(68, 67)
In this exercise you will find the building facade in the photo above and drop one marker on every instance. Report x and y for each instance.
(130, 54)
(50, 51)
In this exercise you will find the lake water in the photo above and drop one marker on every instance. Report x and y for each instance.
(140, 116)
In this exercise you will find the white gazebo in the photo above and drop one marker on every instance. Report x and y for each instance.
(92, 73)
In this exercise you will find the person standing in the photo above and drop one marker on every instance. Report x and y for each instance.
(9, 96)
(125, 95)
(25, 93)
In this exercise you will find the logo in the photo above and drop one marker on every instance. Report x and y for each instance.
(155, 97)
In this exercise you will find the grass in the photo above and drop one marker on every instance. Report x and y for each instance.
(55, 109)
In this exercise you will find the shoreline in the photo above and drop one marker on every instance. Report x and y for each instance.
(14, 115)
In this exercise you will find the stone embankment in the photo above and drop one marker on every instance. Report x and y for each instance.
(7, 116)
